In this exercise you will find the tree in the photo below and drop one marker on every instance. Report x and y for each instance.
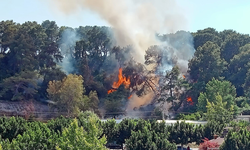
(238, 68)
(68, 94)
(237, 140)
(214, 88)
(115, 102)
(110, 130)
(124, 129)
(246, 84)
(37, 136)
(218, 111)
(75, 137)
(93, 102)
(180, 133)
(211, 128)
(58, 124)
(22, 86)
(11, 127)
(206, 63)
(171, 89)
(231, 44)
(205, 35)
(146, 139)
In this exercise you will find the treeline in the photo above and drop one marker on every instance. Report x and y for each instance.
(36, 60)
(86, 131)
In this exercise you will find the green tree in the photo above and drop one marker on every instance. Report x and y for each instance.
(21, 86)
(237, 140)
(68, 94)
(172, 89)
(180, 133)
(218, 111)
(38, 136)
(206, 63)
(11, 127)
(205, 35)
(110, 130)
(75, 137)
(214, 87)
(115, 102)
(246, 84)
(58, 124)
(146, 139)
(93, 102)
(231, 44)
(124, 129)
(238, 68)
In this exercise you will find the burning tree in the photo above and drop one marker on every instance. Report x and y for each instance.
(121, 80)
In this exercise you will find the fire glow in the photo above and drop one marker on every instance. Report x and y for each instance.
(190, 101)
(121, 80)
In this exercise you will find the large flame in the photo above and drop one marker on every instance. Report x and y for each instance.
(190, 101)
(121, 80)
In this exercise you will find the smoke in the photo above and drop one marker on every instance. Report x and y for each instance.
(177, 49)
(67, 44)
(135, 22)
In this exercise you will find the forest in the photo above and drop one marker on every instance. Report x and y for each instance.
(204, 75)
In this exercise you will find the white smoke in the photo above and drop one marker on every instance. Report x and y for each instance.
(135, 22)
(67, 44)
(178, 50)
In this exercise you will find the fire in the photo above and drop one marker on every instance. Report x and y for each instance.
(130, 96)
(121, 80)
(184, 76)
(190, 101)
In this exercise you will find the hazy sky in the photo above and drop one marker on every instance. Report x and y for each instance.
(200, 14)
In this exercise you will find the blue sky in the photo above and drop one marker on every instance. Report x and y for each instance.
(200, 14)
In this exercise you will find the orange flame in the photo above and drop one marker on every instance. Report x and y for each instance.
(121, 80)
(183, 76)
(190, 101)
(129, 96)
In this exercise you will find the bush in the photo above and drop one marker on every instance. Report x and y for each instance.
(208, 144)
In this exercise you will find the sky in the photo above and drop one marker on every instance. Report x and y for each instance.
(199, 14)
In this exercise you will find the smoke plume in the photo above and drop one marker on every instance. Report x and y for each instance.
(67, 44)
(137, 22)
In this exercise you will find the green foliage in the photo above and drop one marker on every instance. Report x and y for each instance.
(93, 102)
(110, 130)
(238, 68)
(84, 118)
(212, 128)
(206, 63)
(217, 111)
(146, 139)
(38, 136)
(181, 133)
(193, 116)
(214, 88)
(11, 127)
(22, 86)
(208, 34)
(68, 94)
(75, 137)
(125, 127)
(58, 124)
(115, 103)
(172, 89)
(237, 140)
